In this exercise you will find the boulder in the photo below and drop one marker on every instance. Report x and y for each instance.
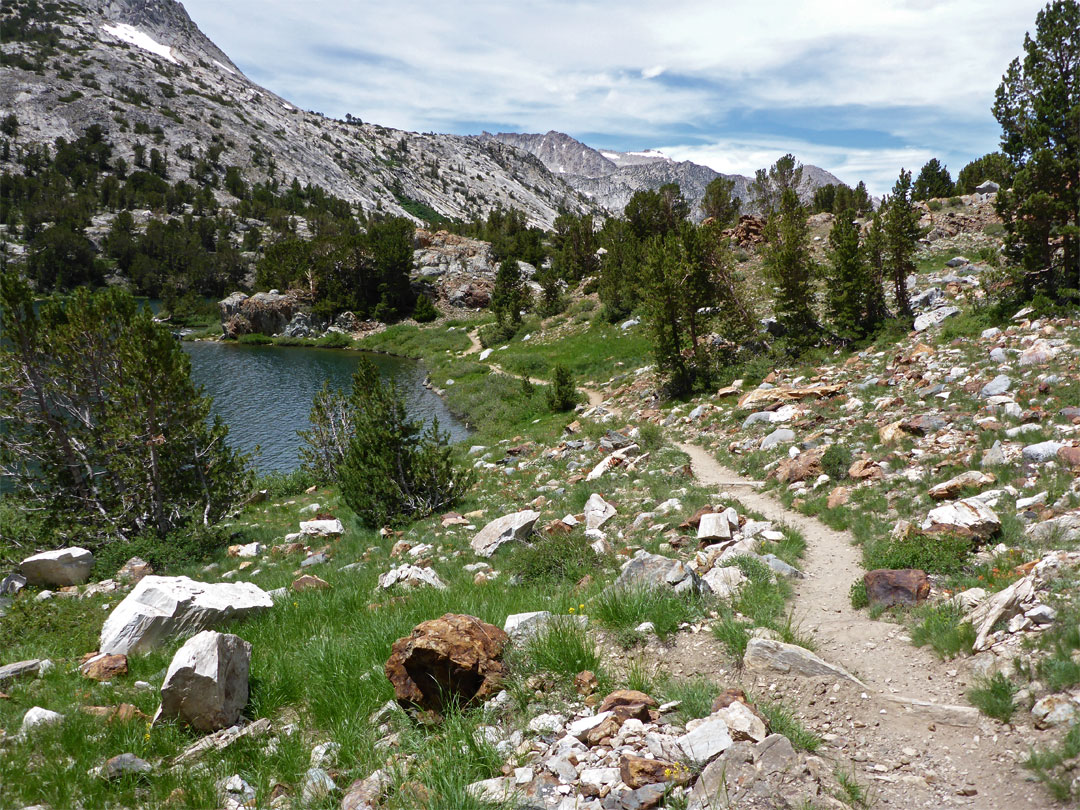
(887, 587)
(724, 582)
(366, 794)
(20, 669)
(134, 570)
(331, 527)
(969, 517)
(411, 576)
(996, 387)
(265, 313)
(865, 469)
(804, 466)
(1062, 529)
(713, 527)
(37, 717)
(742, 722)
(597, 512)
(502, 530)
(628, 703)
(104, 667)
(206, 684)
(706, 740)
(656, 571)
(934, 317)
(453, 658)
(766, 655)
(638, 771)
(160, 608)
(60, 568)
(947, 490)
(1069, 456)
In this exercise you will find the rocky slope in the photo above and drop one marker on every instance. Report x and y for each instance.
(144, 71)
(611, 178)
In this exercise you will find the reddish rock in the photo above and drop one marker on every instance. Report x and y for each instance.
(452, 658)
(104, 667)
(133, 570)
(838, 497)
(585, 682)
(285, 549)
(727, 697)
(695, 520)
(627, 703)
(804, 466)
(638, 771)
(309, 583)
(887, 587)
(1069, 456)
(124, 713)
(865, 469)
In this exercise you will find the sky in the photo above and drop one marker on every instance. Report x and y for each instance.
(861, 89)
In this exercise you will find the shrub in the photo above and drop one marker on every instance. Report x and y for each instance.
(394, 468)
(555, 558)
(562, 396)
(936, 554)
(836, 461)
(857, 594)
(943, 628)
(994, 697)
(424, 311)
(334, 340)
(331, 432)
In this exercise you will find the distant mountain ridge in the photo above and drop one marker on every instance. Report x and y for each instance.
(144, 72)
(610, 178)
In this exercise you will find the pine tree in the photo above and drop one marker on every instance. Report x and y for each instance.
(424, 311)
(102, 423)
(877, 310)
(849, 279)
(509, 296)
(561, 395)
(720, 203)
(394, 469)
(1038, 107)
(790, 267)
(933, 181)
(901, 232)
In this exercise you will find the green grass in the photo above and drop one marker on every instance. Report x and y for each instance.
(696, 696)
(624, 608)
(782, 720)
(1055, 766)
(852, 793)
(592, 354)
(409, 340)
(943, 628)
(558, 559)
(564, 648)
(994, 697)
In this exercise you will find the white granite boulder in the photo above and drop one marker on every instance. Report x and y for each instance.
(59, 568)
(160, 608)
(506, 529)
(206, 685)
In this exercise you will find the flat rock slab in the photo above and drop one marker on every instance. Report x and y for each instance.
(161, 608)
(60, 568)
(969, 517)
(19, 669)
(766, 655)
(502, 530)
(706, 741)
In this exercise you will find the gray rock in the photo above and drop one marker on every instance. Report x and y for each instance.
(597, 512)
(502, 530)
(19, 669)
(160, 608)
(411, 576)
(934, 317)
(714, 527)
(656, 571)
(757, 417)
(775, 754)
(998, 355)
(206, 684)
(766, 655)
(987, 187)
(706, 741)
(777, 437)
(12, 584)
(996, 387)
(724, 582)
(1042, 452)
(60, 568)
(995, 456)
(780, 567)
(957, 261)
(37, 717)
(990, 334)
(1062, 529)
(125, 765)
(317, 786)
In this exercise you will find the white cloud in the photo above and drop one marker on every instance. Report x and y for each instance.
(633, 73)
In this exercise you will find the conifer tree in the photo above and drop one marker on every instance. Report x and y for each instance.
(901, 234)
(720, 203)
(877, 310)
(934, 180)
(509, 296)
(790, 266)
(849, 279)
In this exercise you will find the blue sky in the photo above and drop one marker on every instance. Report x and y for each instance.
(859, 89)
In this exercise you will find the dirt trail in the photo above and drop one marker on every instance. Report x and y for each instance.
(913, 700)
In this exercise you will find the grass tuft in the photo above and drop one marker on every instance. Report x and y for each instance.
(994, 697)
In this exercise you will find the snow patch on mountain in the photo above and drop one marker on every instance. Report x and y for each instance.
(133, 36)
